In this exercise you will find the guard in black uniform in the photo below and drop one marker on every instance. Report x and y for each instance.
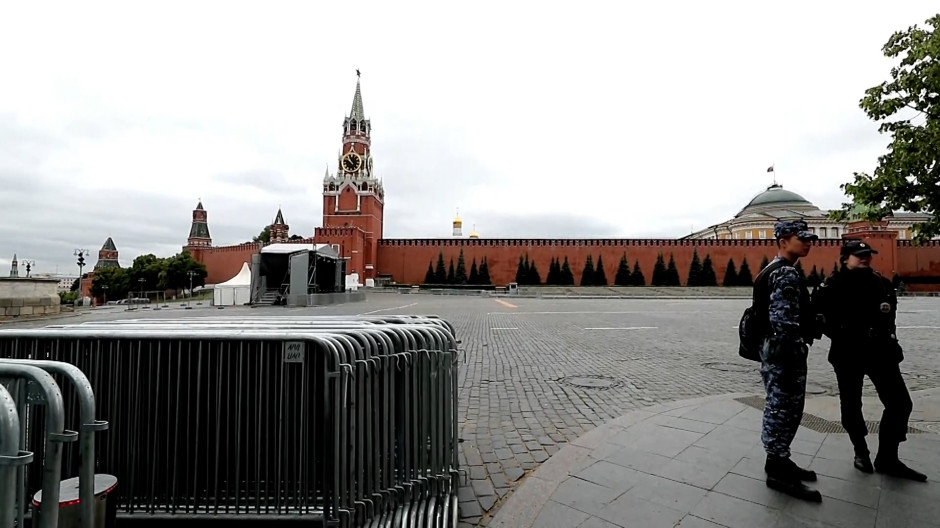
(859, 307)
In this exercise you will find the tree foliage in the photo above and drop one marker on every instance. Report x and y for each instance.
(659, 271)
(744, 274)
(587, 274)
(484, 272)
(637, 278)
(566, 277)
(600, 276)
(149, 273)
(708, 278)
(731, 275)
(695, 271)
(622, 278)
(460, 275)
(907, 108)
(671, 276)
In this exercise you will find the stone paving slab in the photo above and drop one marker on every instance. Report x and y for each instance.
(711, 475)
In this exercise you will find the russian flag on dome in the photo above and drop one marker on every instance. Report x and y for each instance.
(770, 169)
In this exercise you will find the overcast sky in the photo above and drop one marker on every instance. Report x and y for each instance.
(590, 119)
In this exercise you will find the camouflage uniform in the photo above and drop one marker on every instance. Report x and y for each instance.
(783, 361)
(784, 351)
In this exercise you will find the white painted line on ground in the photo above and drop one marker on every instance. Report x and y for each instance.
(506, 328)
(918, 328)
(387, 309)
(644, 312)
(623, 328)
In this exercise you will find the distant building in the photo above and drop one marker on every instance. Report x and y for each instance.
(756, 219)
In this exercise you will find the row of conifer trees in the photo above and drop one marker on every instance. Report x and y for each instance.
(458, 275)
(701, 273)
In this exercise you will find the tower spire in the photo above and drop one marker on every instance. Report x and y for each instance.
(357, 112)
(13, 271)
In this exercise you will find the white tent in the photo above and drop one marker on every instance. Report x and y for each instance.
(235, 291)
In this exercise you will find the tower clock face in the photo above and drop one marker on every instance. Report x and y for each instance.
(352, 162)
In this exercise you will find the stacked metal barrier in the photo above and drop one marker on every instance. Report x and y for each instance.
(352, 420)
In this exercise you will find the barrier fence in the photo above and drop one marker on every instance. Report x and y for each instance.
(347, 420)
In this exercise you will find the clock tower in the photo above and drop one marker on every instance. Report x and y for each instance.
(353, 198)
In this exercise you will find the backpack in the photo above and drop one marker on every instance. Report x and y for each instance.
(755, 321)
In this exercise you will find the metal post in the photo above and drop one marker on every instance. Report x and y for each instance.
(10, 458)
(55, 434)
(86, 438)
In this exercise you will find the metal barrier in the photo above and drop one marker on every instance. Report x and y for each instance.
(349, 419)
(11, 457)
(42, 391)
(87, 429)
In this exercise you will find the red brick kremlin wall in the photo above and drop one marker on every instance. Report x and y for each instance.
(407, 260)
(223, 263)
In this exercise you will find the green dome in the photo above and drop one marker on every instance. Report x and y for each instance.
(775, 197)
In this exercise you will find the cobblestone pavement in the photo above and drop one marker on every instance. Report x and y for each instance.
(539, 373)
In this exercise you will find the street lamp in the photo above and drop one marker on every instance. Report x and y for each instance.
(105, 288)
(29, 265)
(80, 253)
(191, 273)
(141, 281)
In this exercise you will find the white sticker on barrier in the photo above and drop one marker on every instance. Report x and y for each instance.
(293, 352)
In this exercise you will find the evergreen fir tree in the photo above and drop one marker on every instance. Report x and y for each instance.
(731, 276)
(532, 276)
(622, 278)
(552, 277)
(672, 273)
(485, 273)
(587, 274)
(566, 276)
(695, 271)
(600, 276)
(474, 273)
(429, 276)
(659, 271)
(460, 276)
(708, 278)
(637, 278)
(744, 274)
(521, 271)
(451, 276)
(440, 273)
(763, 264)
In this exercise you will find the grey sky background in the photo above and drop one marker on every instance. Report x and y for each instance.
(593, 119)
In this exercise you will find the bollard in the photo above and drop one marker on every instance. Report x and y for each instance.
(71, 508)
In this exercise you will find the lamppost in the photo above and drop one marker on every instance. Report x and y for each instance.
(80, 253)
(29, 264)
(190, 273)
(141, 281)
(105, 288)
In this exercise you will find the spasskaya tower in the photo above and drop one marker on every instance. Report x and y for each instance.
(353, 198)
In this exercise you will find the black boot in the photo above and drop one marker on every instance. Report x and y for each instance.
(888, 463)
(782, 475)
(862, 460)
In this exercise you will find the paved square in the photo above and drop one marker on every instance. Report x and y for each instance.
(537, 374)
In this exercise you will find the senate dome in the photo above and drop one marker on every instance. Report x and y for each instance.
(776, 199)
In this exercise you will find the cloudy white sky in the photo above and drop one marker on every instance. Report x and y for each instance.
(585, 119)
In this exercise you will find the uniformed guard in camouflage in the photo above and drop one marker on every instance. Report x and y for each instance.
(783, 361)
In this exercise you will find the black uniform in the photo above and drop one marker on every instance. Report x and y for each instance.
(859, 307)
